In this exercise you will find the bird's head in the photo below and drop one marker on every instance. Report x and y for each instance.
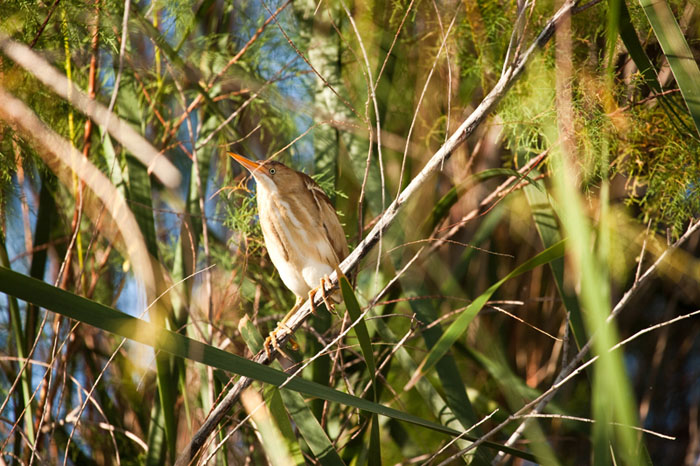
(270, 175)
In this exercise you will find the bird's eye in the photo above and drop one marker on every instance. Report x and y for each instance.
(272, 171)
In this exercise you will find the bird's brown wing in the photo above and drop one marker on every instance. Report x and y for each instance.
(329, 218)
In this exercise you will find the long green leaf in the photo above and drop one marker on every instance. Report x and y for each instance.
(635, 49)
(360, 328)
(612, 400)
(271, 438)
(548, 229)
(433, 398)
(157, 438)
(514, 389)
(646, 67)
(108, 319)
(518, 390)
(362, 334)
(449, 379)
(677, 52)
(23, 395)
(140, 196)
(46, 217)
(316, 438)
(459, 326)
(278, 412)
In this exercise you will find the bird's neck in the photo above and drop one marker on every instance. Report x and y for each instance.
(281, 209)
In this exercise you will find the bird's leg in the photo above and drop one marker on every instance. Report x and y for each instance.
(272, 341)
(322, 289)
(311, 300)
(326, 280)
(291, 312)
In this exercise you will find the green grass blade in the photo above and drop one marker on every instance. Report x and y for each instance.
(449, 378)
(360, 329)
(635, 49)
(677, 52)
(320, 369)
(111, 161)
(613, 399)
(459, 326)
(45, 219)
(140, 196)
(25, 393)
(515, 390)
(483, 232)
(119, 323)
(141, 202)
(432, 397)
(316, 438)
(157, 439)
(279, 414)
(271, 438)
(548, 228)
(497, 366)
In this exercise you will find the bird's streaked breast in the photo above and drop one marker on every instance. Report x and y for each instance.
(297, 242)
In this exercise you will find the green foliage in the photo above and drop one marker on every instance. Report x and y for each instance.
(7, 169)
(528, 109)
(644, 142)
(662, 169)
(241, 216)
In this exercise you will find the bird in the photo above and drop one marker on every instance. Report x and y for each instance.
(302, 232)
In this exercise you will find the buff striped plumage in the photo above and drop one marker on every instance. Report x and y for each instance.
(302, 231)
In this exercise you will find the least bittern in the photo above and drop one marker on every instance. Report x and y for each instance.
(303, 235)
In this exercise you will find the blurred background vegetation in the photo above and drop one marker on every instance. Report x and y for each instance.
(360, 96)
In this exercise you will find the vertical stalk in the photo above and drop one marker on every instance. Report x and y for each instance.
(25, 394)
(77, 185)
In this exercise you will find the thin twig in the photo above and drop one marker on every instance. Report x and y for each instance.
(641, 253)
(303, 57)
(120, 67)
(40, 31)
(393, 42)
(420, 102)
(452, 441)
(692, 228)
(593, 421)
(516, 35)
(501, 310)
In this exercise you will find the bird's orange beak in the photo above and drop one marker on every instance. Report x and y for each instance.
(249, 164)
